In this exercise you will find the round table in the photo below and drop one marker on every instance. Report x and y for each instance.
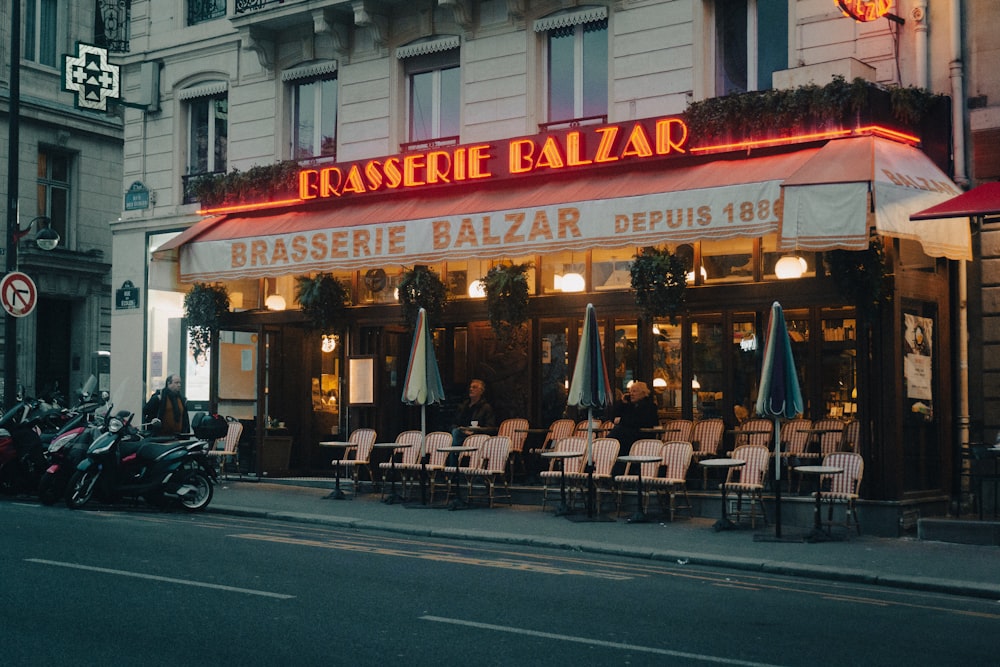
(337, 494)
(561, 457)
(817, 531)
(723, 463)
(393, 497)
(639, 516)
(457, 503)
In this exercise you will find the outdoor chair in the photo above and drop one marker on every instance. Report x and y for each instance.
(842, 487)
(706, 437)
(605, 454)
(850, 442)
(229, 447)
(748, 480)
(678, 430)
(400, 460)
(756, 431)
(490, 469)
(552, 478)
(516, 429)
(559, 429)
(357, 456)
(410, 471)
(829, 442)
(672, 477)
(630, 478)
(446, 476)
(795, 438)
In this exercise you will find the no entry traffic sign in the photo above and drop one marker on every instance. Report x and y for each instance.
(18, 294)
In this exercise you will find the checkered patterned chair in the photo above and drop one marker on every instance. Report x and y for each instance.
(748, 480)
(630, 478)
(605, 454)
(842, 488)
(516, 429)
(551, 478)
(489, 468)
(405, 459)
(706, 436)
(672, 477)
(357, 456)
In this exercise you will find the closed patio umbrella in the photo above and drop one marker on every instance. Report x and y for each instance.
(590, 387)
(423, 384)
(779, 394)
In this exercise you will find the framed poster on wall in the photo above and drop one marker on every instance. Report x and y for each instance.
(361, 381)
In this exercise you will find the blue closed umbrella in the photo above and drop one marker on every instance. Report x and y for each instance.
(590, 387)
(779, 394)
(423, 381)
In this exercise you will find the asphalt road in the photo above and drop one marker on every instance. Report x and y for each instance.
(138, 587)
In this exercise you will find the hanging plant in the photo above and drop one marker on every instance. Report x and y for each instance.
(324, 301)
(204, 307)
(861, 276)
(506, 287)
(659, 280)
(421, 287)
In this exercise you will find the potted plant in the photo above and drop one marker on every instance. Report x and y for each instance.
(421, 287)
(204, 307)
(506, 287)
(861, 275)
(659, 280)
(324, 301)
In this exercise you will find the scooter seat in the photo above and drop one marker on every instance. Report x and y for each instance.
(150, 451)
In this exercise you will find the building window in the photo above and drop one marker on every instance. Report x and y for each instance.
(205, 10)
(111, 24)
(40, 31)
(207, 134)
(54, 189)
(314, 118)
(576, 64)
(751, 43)
(433, 83)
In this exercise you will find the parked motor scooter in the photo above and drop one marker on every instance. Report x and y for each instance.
(122, 464)
(22, 453)
(69, 445)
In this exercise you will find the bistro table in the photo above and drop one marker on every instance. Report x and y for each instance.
(337, 494)
(639, 516)
(724, 463)
(393, 497)
(458, 450)
(562, 456)
(818, 534)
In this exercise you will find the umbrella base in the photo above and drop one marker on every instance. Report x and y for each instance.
(724, 524)
(335, 495)
(818, 535)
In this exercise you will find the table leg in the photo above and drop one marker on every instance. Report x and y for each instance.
(640, 513)
(724, 523)
(336, 494)
(457, 503)
(393, 496)
(563, 507)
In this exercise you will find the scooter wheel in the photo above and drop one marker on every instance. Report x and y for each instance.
(48, 489)
(198, 499)
(81, 488)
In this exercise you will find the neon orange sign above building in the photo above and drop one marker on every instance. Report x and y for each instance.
(552, 152)
(865, 10)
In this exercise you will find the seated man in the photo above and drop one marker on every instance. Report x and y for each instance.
(473, 411)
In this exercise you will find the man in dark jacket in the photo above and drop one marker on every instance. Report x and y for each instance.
(167, 410)
(473, 412)
(637, 411)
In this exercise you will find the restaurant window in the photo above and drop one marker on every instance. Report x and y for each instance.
(245, 294)
(326, 385)
(626, 368)
(555, 371)
(564, 272)
(727, 261)
(707, 379)
(746, 346)
(576, 63)
(461, 278)
(838, 372)
(667, 368)
(41, 31)
(797, 322)
(53, 189)
(433, 89)
(751, 43)
(772, 255)
(610, 268)
(314, 117)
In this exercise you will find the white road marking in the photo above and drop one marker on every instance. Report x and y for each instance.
(153, 577)
(595, 642)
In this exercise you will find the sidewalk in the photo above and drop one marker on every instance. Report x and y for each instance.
(900, 563)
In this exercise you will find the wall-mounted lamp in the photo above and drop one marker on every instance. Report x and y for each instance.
(477, 289)
(790, 267)
(694, 382)
(571, 282)
(275, 302)
(46, 238)
(329, 343)
(659, 383)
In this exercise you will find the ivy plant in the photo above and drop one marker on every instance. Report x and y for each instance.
(659, 280)
(204, 307)
(421, 287)
(506, 287)
(324, 300)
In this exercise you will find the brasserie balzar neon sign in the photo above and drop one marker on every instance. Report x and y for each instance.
(552, 152)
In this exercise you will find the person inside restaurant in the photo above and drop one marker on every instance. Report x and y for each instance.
(473, 412)
(637, 410)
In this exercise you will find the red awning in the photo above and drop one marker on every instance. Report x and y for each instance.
(715, 200)
(982, 200)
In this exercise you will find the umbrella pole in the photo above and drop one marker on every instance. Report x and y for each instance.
(591, 490)
(423, 454)
(777, 478)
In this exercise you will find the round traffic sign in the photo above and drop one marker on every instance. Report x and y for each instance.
(18, 294)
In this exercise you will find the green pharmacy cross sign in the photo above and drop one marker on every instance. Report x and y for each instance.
(91, 77)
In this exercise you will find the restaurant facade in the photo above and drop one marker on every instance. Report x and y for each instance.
(464, 136)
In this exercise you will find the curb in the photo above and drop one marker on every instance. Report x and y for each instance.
(785, 568)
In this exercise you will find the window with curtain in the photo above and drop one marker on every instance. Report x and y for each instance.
(434, 95)
(207, 134)
(751, 43)
(314, 117)
(577, 68)
(53, 188)
(40, 31)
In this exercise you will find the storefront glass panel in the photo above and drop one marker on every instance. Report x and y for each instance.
(746, 348)
(555, 371)
(610, 268)
(727, 261)
(708, 380)
(838, 364)
(667, 369)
